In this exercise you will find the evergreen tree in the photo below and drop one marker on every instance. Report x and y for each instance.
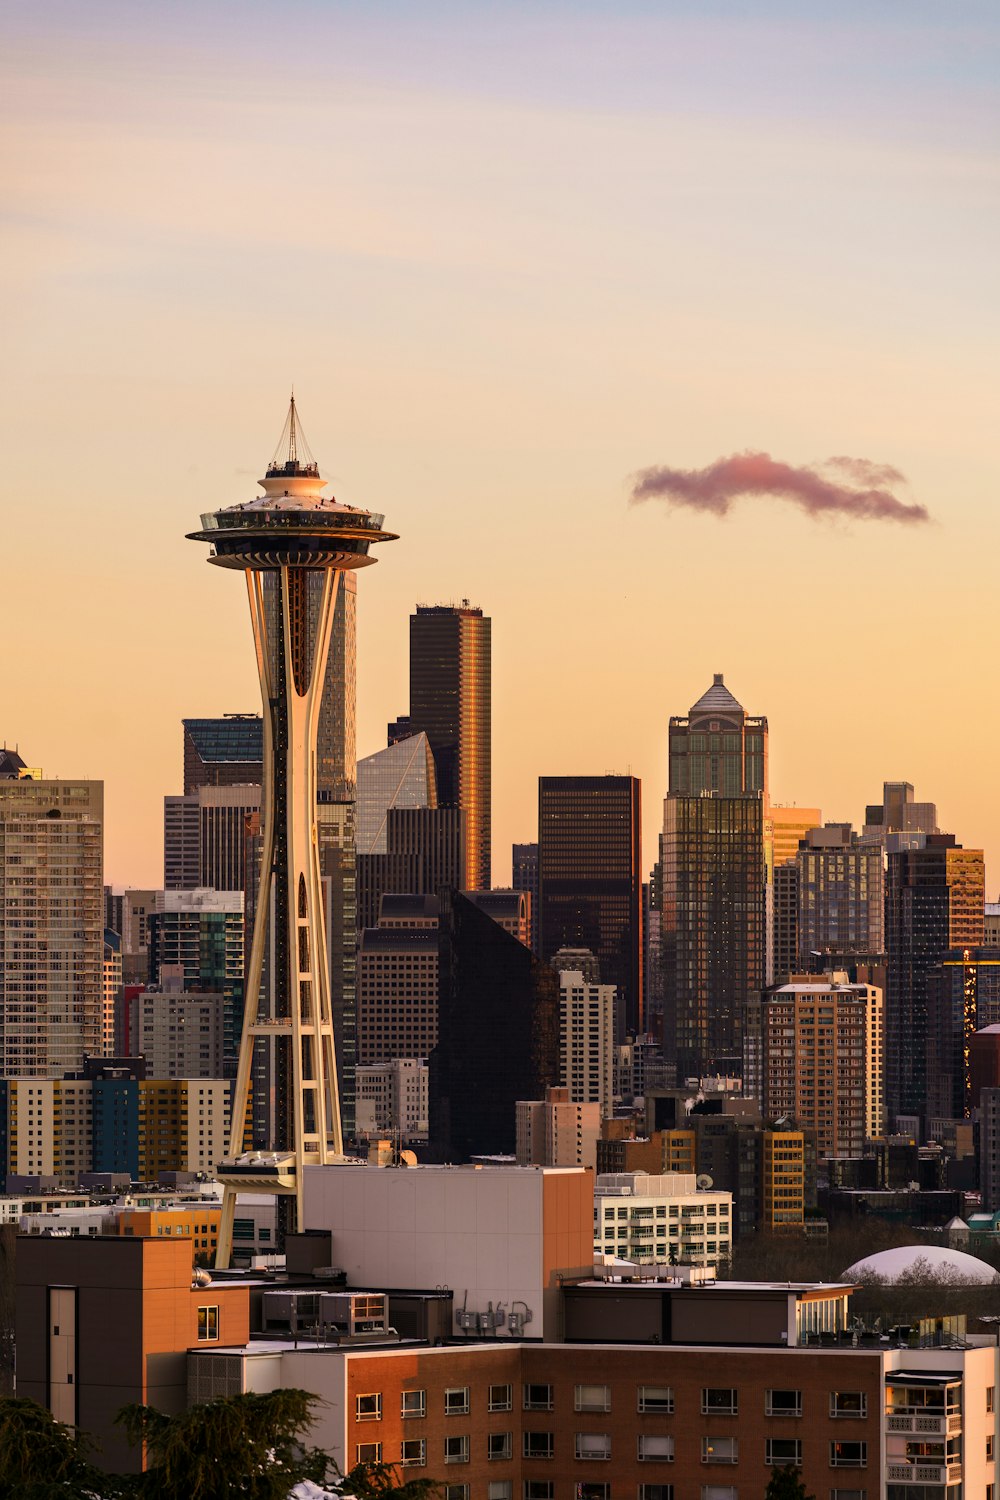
(786, 1484)
(244, 1447)
(40, 1458)
(379, 1482)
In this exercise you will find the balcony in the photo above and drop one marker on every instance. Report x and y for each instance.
(937, 1426)
(922, 1473)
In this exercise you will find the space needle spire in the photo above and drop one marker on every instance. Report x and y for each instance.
(282, 540)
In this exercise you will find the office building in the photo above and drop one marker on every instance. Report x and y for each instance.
(52, 932)
(425, 850)
(509, 909)
(840, 894)
(784, 828)
(587, 1040)
(665, 1218)
(934, 903)
(398, 981)
(556, 1131)
(823, 1060)
(205, 837)
(590, 879)
(199, 935)
(450, 697)
(524, 877)
(180, 1032)
(128, 914)
(392, 1100)
(498, 1033)
(963, 1002)
(898, 819)
(783, 1179)
(183, 1125)
(713, 876)
(223, 752)
(400, 776)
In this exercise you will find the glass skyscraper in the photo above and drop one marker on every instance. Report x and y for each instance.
(400, 776)
(713, 881)
(450, 686)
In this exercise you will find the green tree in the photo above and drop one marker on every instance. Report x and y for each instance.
(245, 1447)
(40, 1458)
(786, 1484)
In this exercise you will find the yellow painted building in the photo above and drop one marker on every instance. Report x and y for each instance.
(783, 1171)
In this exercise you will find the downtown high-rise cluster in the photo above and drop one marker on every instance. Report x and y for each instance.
(611, 1072)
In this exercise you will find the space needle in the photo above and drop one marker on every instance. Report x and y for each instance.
(293, 543)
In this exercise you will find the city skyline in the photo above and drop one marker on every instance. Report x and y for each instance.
(682, 236)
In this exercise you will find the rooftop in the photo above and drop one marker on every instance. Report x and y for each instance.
(718, 699)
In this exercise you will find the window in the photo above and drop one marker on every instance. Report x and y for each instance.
(501, 1398)
(592, 1398)
(414, 1404)
(208, 1324)
(593, 1445)
(456, 1492)
(539, 1489)
(369, 1453)
(456, 1450)
(656, 1447)
(456, 1401)
(720, 1450)
(538, 1398)
(780, 1452)
(853, 1495)
(414, 1452)
(717, 1401)
(783, 1404)
(500, 1445)
(848, 1455)
(538, 1445)
(592, 1489)
(989, 1448)
(369, 1408)
(500, 1489)
(719, 1492)
(848, 1404)
(656, 1398)
(991, 1396)
(656, 1492)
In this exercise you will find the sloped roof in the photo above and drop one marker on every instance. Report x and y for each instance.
(718, 700)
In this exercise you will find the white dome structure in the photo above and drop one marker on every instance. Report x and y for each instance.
(907, 1262)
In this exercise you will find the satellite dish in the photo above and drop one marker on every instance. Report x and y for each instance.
(407, 1159)
(704, 1182)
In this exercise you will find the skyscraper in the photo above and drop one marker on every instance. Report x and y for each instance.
(840, 894)
(223, 752)
(498, 1036)
(52, 925)
(524, 877)
(294, 545)
(402, 775)
(935, 895)
(450, 690)
(713, 881)
(590, 880)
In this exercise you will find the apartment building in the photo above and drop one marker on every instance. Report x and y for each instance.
(665, 1218)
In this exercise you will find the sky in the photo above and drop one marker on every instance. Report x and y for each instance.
(510, 255)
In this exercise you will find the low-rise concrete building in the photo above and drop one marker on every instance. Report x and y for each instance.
(665, 1218)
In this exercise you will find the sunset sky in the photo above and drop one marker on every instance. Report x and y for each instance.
(510, 254)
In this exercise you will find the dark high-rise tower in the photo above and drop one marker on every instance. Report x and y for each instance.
(450, 701)
(590, 879)
(713, 881)
(934, 902)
